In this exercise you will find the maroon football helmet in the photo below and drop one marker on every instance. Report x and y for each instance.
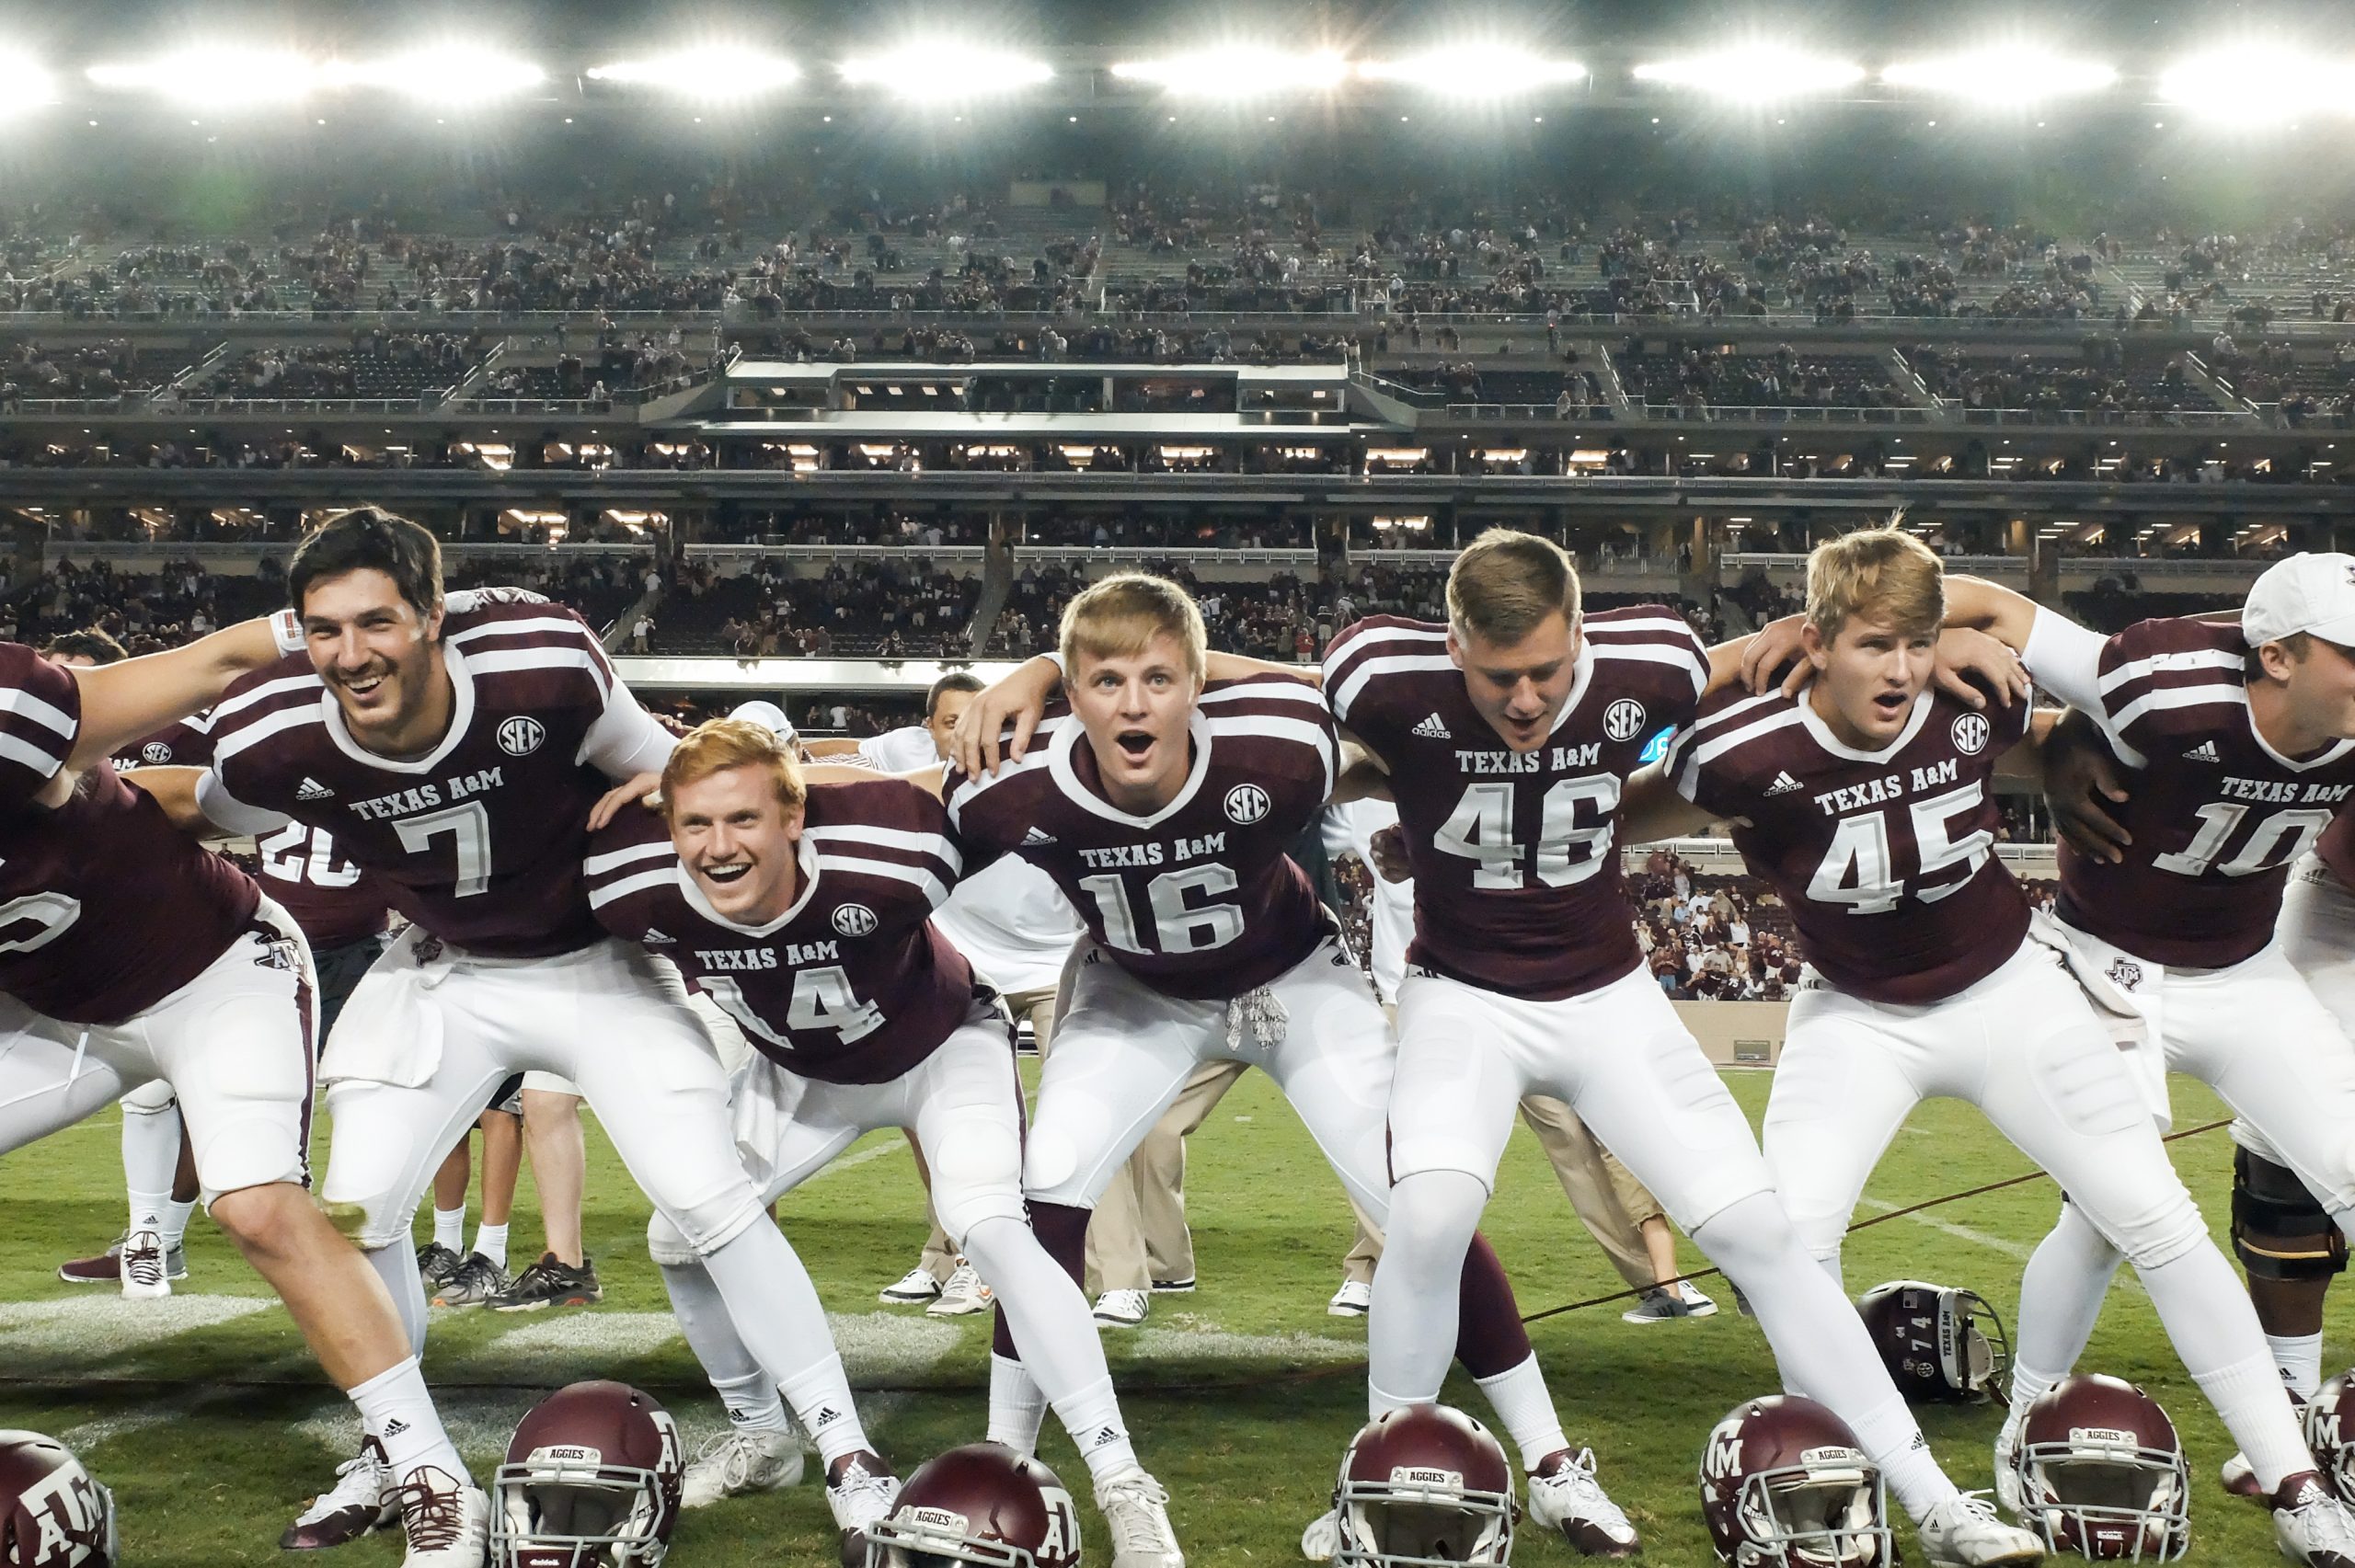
(2102, 1473)
(1785, 1485)
(980, 1504)
(52, 1515)
(592, 1480)
(1942, 1344)
(2329, 1419)
(1425, 1485)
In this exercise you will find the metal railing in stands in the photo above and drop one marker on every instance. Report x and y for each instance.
(1784, 414)
(2176, 418)
(263, 549)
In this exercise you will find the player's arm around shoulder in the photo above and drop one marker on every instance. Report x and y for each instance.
(119, 702)
(1651, 809)
(174, 789)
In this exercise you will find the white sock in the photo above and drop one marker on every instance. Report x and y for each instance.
(2061, 1297)
(151, 1157)
(1525, 1410)
(396, 1410)
(2207, 1313)
(1092, 1416)
(1063, 1354)
(449, 1228)
(397, 1266)
(821, 1403)
(147, 1210)
(1017, 1408)
(2298, 1357)
(753, 1404)
(176, 1215)
(2028, 1385)
(490, 1240)
(1888, 1433)
(1411, 1332)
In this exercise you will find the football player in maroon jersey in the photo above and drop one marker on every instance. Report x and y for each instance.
(458, 749)
(138, 956)
(1866, 801)
(1164, 807)
(805, 912)
(2235, 745)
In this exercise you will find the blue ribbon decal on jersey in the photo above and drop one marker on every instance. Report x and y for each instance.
(1657, 747)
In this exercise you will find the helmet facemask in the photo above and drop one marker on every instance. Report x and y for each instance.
(564, 1508)
(1422, 1519)
(2105, 1497)
(934, 1538)
(1830, 1515)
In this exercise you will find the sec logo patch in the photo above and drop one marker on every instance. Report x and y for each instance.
(1624, 720)
(519, 736)
(854, 920)
(1972, 732)
(1247, 802)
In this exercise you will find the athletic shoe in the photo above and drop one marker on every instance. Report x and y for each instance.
(965, 1294)
(1173, 1287)
(1322, 1538)
(447, 1519)
(1353, 1300)
(435, 1264)
(549, 1283)
(361, 1500)
(1565, 1496)
(1136, 1513)
(860, 1490)
(474, 1283)
(915, 1286)
(107, 1267)
(2311, 1526)
(1123, 1309)
(1964, 1532)
(736, 1462)
(143, 1266)
(1661, 1305)
(2240, 1478)
(2009, 1490)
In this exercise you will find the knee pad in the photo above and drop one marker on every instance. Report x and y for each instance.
(707, 1224)
(152, 1098)
(1435, 1209)
(2279, 1230)
(666, 1244)
(977, 1175)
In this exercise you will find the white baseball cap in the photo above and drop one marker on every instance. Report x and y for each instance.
(768, 714)
(2305, 593)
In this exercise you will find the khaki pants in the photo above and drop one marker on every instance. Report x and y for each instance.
(1121, 1251)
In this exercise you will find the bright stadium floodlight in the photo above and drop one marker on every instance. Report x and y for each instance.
(2004, 76)
(219, 77)
(1756, 73)
(717, 74)
(1238, 70)
(1486, 71)
(25, 85)
(2257, 84)
(946, 71)
(456, 76)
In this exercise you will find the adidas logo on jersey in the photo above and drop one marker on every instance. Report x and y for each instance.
(312, 789)
(1784, 784)
(1038, 836)
(1433, 729)
(656, 939)
(2204, 752)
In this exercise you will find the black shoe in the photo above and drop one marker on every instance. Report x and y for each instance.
(549, 1283)
(477, 1282)
(435, 1264)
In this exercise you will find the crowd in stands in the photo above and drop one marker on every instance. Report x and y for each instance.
(145, 611)
(2106, 384)
(869, 610)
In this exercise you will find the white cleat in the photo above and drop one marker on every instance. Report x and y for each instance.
(1122, 1309)
(2239, 1477)
(965, 1294)
(2010, 1491)
(144, 1276)
(1565, 1497)
(361, 1500)
(1353, 1300)
(1136, 1511)
(447, 1519)
(738, 1462)
(2315, 1528)
(860, 1490)
(913, 1290)
(1964, 1532)
(1322, 1538)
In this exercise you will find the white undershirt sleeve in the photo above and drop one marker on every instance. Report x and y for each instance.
(229, 813)
(2065, 659)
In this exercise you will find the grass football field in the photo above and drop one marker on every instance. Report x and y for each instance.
(206, 1417)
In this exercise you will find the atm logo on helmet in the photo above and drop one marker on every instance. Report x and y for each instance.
(1724, 1455)
(65, 1504)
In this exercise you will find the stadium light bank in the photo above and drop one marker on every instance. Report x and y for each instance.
(946, 71)
(2003, 76)
(1755, 74)
(26, 84)
(1238, 70)
(2259, 85)
(717, 73)
(1476, 71)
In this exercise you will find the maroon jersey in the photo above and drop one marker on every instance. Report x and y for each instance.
(302, 871)
(106, 909)
(852, 984)
(2337, 847)
(1200, 900)
(1886, 859)
(480, 840)
(2217, 815)
(1517, 885)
